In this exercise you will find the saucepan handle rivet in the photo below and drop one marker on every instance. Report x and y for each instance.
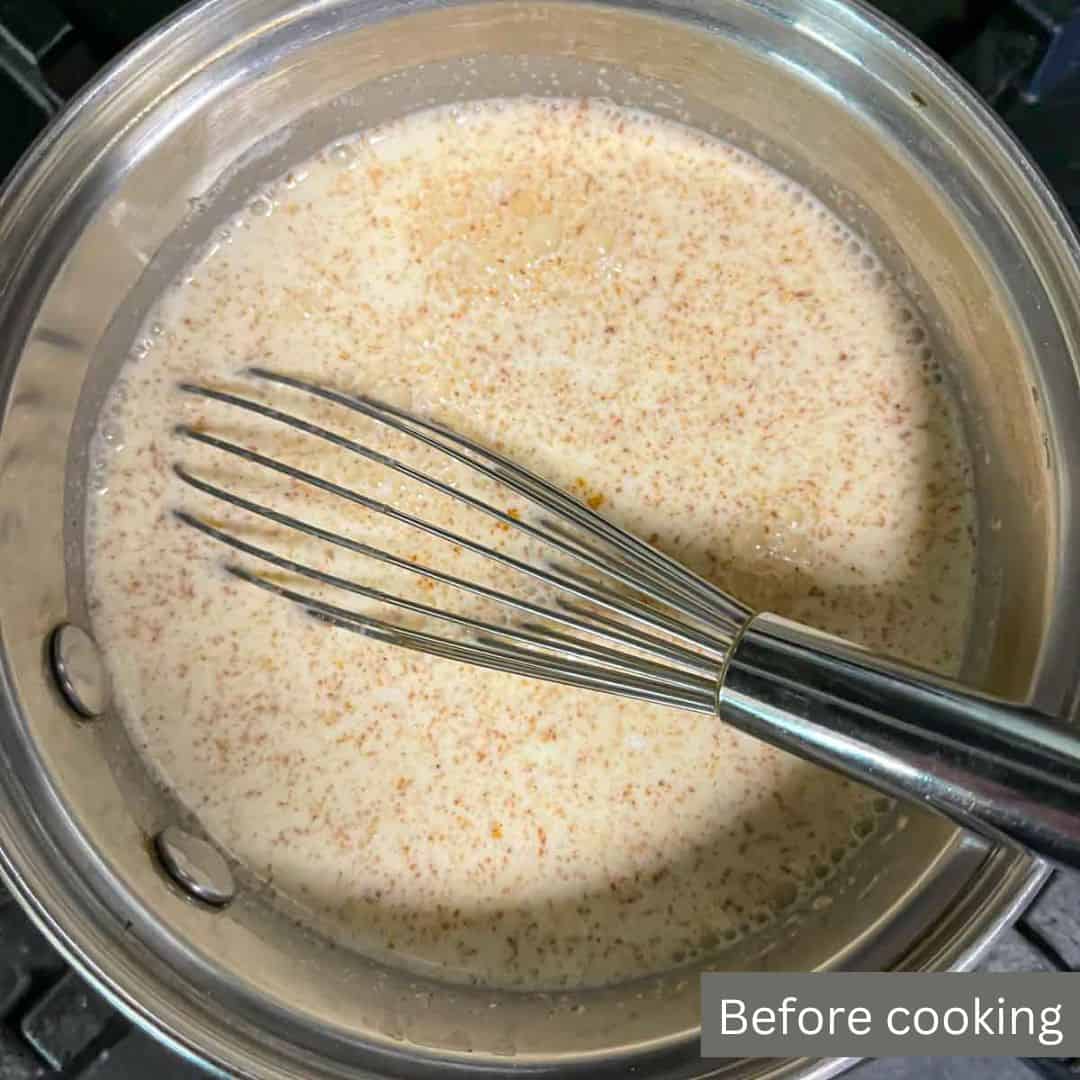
(79, 671)
(196, 866)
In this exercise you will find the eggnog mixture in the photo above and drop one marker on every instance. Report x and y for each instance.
(647, 317)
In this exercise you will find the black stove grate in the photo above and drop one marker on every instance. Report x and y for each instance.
(1023, 56)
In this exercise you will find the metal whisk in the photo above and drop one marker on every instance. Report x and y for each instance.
(628, 620)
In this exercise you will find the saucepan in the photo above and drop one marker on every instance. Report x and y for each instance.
(178, 134)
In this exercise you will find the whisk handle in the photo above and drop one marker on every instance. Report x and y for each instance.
(1000, 769)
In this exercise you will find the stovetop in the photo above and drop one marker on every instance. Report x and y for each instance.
(1023, 56)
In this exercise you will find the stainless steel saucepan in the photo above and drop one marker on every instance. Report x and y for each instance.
(176, 136)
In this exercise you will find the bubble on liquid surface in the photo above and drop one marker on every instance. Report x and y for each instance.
(261, 206)
(112, 434)
(99, 483)
(863, 827)
(344, 154)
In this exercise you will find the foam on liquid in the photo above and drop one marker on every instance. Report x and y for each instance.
(643, 315)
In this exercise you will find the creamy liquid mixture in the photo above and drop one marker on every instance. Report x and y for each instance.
(647, 317)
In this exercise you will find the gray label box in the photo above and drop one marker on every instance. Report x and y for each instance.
(856, 1014)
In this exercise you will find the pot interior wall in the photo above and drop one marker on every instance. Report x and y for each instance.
(868, 138)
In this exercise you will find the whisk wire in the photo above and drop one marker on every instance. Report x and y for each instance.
(581, 588)
(659, 595)
(497, 657)
(611, 630)
(711, 603)
(535, 636)
(676, 665)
